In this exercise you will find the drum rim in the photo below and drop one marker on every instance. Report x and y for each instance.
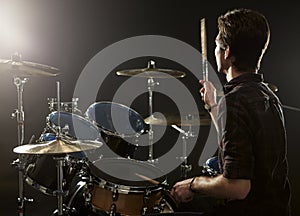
(126, 189)
(30, 181)
(73, 114)
(79, 185)
(109, 132)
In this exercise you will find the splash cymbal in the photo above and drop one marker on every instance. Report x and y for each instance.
(16, 67)
(172, 119)
(58, 146)
(152, 72)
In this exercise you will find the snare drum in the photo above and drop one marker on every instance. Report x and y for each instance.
(131, 195)
(120, 126)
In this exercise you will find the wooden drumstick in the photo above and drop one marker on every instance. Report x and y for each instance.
(152, 181)
(167, 195)
(204, 49)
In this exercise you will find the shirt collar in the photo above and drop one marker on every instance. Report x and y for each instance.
(246, 77)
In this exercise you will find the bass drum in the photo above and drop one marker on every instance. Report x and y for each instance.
(41, 171)
(119, 187)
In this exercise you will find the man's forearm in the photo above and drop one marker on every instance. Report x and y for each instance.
(221, 187)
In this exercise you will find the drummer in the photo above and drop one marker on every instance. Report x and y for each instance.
(252, 135)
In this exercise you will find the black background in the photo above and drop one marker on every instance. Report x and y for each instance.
(67, 34)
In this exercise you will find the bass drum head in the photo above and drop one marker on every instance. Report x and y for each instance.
(41, 174)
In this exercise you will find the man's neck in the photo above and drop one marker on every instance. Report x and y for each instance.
(232, 73)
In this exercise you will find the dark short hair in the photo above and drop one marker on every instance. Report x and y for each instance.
(247, 33)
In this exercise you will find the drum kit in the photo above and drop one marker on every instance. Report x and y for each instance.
(84, 185)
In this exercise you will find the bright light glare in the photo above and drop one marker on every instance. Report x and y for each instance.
(13, 33)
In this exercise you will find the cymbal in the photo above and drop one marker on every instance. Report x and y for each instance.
(58, 146)
(171, 119)
(152, 72)
(16, 67)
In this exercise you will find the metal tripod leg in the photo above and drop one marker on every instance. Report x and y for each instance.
(19, 114)
(59, 193)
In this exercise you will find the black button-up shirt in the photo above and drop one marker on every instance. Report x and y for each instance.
(253, 146)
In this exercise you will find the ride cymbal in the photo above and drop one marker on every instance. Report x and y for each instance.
(58, 146)
(16, 67)
(152, 72)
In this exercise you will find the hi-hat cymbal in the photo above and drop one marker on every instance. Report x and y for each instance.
(58, 146)
(171, 119)
(152, 72)
(16, 67)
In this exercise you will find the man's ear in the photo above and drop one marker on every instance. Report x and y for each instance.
(227, 53)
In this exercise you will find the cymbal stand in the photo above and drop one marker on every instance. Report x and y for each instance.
(59, 159)
(19, 115)
(185, 167)
(151, 85)
(291, 108)
(59, 193)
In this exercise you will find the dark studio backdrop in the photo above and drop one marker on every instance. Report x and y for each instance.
(67, 34)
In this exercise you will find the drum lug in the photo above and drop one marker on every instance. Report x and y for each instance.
(60, 193)
(83, 174)
(115, 194)
(144, 211)
(113, 210)
(25, 199)
(147, 195)
(157, 209)
(87, 195)
(87, 198)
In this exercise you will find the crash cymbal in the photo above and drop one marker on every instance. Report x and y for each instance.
(171, 119)
(58, 146)
(152, 72)
(16, 67)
